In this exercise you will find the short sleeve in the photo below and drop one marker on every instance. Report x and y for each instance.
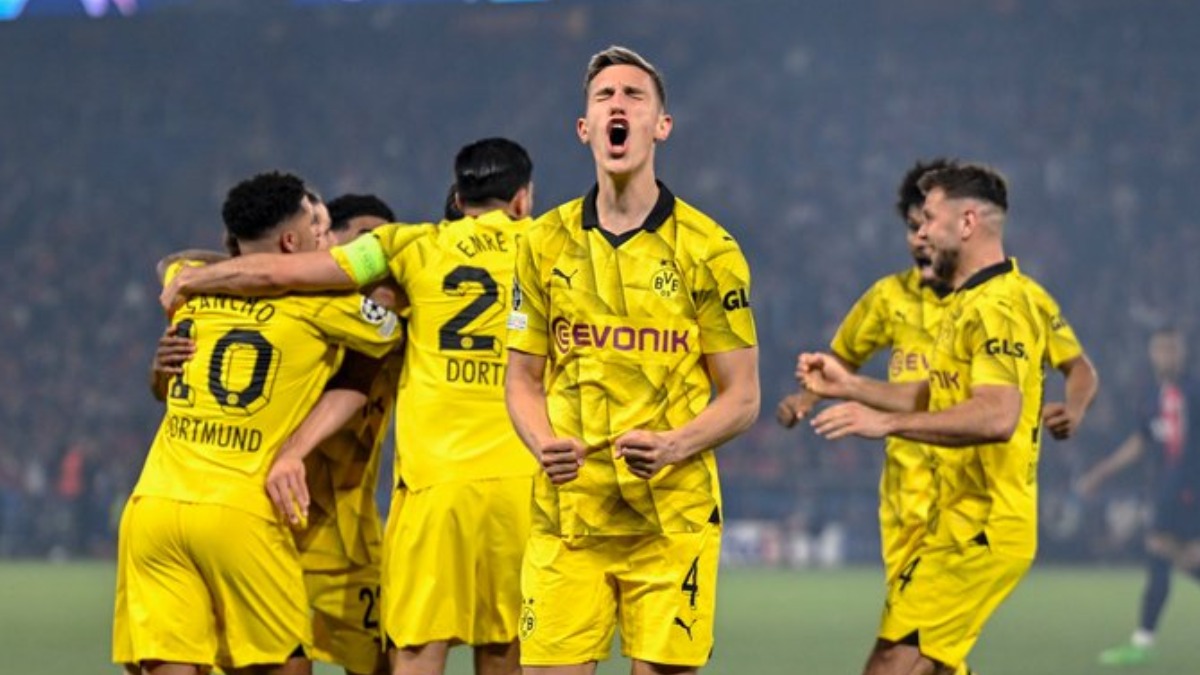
(866, 328)
(527, 329)
(1000, 342)
(357, 322)
(723, 298)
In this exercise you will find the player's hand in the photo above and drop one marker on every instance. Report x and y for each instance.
(561, 459)
(1061, 423)
(824, 375)
(647, 452)
(287, 489)
(852, 419)
(172, 352)
(793, 408)
(173, 295)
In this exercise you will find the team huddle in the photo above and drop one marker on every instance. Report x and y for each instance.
(559, 385)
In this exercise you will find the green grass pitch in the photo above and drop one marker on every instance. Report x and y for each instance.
(56, 619)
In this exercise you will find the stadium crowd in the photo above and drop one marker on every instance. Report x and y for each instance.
(120, 143)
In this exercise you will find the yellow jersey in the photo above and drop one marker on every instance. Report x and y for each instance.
(901, 313)
(344, 527)
(453, 424)
(259, 366)
(624, 321)
(994, 333)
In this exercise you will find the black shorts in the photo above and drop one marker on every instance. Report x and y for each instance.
(1177, 513)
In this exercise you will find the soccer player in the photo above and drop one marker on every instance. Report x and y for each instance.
(632, 309)
(211, 576)
(452, 553)
(902, 312)
(979, 409)
(1164, 432)
(340, 541)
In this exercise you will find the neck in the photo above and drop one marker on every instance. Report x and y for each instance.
(624, 201)
(970, 262)
(476, 210)
(259, 246)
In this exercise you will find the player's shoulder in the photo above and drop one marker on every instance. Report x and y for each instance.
(560, 219)
(395, 237)
(691, 221)
(173, 267)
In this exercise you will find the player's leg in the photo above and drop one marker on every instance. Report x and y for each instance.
(173, 633)
(1161, 550)
(578, 669)
(252, 569)
(498, 659)
(424, 602)
(503, 530)
(569, 606)
(345, 619)
(937, 607)
(668, 600)
(296, 665)
(423, 659)
(161, 668)
(901, 658)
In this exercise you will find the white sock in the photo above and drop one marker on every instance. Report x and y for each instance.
(1142, 638)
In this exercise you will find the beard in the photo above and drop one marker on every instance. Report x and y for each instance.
(945, 264)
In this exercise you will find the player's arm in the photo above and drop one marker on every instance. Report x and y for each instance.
(795, 407)
(1081, 384)
(525, 397)
(170, 355)
(990, 415)
(1130, 451)
(730, 412)
(260, 274)
(193, 254)
(826, 376)
(344, 396)
(346, 267)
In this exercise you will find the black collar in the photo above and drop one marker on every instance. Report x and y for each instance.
(989, 272)
(663, 208)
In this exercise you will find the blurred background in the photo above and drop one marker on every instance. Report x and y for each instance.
(123, 123)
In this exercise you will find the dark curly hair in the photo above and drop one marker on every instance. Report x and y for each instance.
(259, 204)
(910, 193)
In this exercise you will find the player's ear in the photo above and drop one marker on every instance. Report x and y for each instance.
(521, 205)
(662, 130)
(581, 130)
(288, 242)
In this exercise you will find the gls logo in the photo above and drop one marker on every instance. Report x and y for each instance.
(735, 299)
(996, 347)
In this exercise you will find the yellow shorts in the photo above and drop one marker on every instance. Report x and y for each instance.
(452, 562)
(943, 596)
(207, 583)
(345, 618)
(122, 645)
(904, 500)
(661, 589)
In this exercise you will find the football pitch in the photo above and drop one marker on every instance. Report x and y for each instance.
(55, 618)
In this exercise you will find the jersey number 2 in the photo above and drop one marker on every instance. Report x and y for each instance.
(451, 336)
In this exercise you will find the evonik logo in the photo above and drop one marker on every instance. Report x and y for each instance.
(621, 338)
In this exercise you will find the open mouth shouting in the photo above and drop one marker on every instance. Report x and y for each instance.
(618, 136)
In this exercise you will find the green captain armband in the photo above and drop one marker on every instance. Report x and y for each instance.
(363, 259)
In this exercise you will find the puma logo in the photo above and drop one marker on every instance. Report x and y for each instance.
(687, 627)
(555, 272)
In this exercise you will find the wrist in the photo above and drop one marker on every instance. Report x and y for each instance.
(677, 449)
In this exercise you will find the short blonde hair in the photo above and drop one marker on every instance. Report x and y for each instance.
(624, 56)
